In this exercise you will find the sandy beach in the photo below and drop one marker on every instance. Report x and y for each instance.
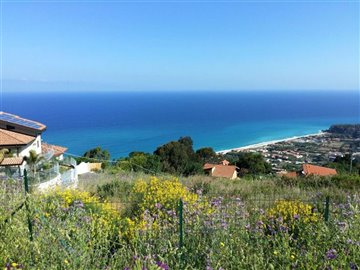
(260, 145)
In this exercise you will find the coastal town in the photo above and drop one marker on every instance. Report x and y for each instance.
(290, 154)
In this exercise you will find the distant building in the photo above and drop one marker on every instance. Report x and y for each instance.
(54, 150)
(309, 169)
(221, 170)
(20, 136)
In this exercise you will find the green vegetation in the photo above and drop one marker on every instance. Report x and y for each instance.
(125, 223)
(249, 163)
(178, 157)
(33, 161)
(344, 164)
(94, 155)
(352, 131)
(139, 162)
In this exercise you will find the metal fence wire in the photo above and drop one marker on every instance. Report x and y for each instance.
(210, 214)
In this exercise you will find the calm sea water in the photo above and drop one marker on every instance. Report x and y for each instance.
(125, 122)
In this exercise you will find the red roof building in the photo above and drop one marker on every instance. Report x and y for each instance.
(55, 149)
(309, 169)
(221, 170)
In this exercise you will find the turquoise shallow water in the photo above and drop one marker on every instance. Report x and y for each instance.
(125, 122)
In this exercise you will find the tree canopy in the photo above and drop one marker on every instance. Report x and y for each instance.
(178, 157)
(249, 163)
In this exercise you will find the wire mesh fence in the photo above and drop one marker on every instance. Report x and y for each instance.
(53, 228)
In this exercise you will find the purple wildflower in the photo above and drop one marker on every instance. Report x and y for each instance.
(158, 205)
(224, 225)
(260, 224)
(78, 204)
(283, 228)
(296, 217)
(162, 265)
(331, 254)
(353, 266)
(216, 202)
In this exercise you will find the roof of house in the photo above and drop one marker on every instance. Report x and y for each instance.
(226, 171)
(17, 120)
(8, 138)
(290, 174)
(208, 166)
(317, 170)
(58, 150)
(12, 161)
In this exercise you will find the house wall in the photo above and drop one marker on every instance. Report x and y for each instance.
(35, 145)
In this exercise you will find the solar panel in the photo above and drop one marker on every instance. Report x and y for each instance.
(20, 121)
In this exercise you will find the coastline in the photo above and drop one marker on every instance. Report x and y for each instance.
(267, 143)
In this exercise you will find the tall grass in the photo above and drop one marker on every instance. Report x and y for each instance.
(228, 224)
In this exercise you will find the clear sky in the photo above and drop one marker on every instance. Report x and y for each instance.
(192, 45)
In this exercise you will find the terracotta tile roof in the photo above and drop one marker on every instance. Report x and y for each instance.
(15, 119)
(309, 169)
(290, 174)
(226, 171)
(12, 161)
(58, 150)
(8, 137)
(208, 166)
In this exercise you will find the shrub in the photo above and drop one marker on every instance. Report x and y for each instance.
(154, 204)
(291, 211)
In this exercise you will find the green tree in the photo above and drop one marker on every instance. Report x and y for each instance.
(33, 160)
(140, 161)
(342, 164)
(252, 163)
(178, 157)
(207, 154)
(96, 155)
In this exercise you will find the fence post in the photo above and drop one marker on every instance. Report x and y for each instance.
(181, 232)
(326, 212)
(26, 183)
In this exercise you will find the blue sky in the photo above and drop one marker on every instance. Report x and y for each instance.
(177, 46)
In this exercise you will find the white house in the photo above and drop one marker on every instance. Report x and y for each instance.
(20, 136)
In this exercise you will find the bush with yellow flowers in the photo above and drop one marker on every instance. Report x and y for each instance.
(155, 203)
(291, 211)
(71, 197)
(288, 216)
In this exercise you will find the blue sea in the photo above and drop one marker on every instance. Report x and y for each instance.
(123, 122)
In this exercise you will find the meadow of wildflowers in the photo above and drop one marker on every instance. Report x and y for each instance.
(74, 229)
